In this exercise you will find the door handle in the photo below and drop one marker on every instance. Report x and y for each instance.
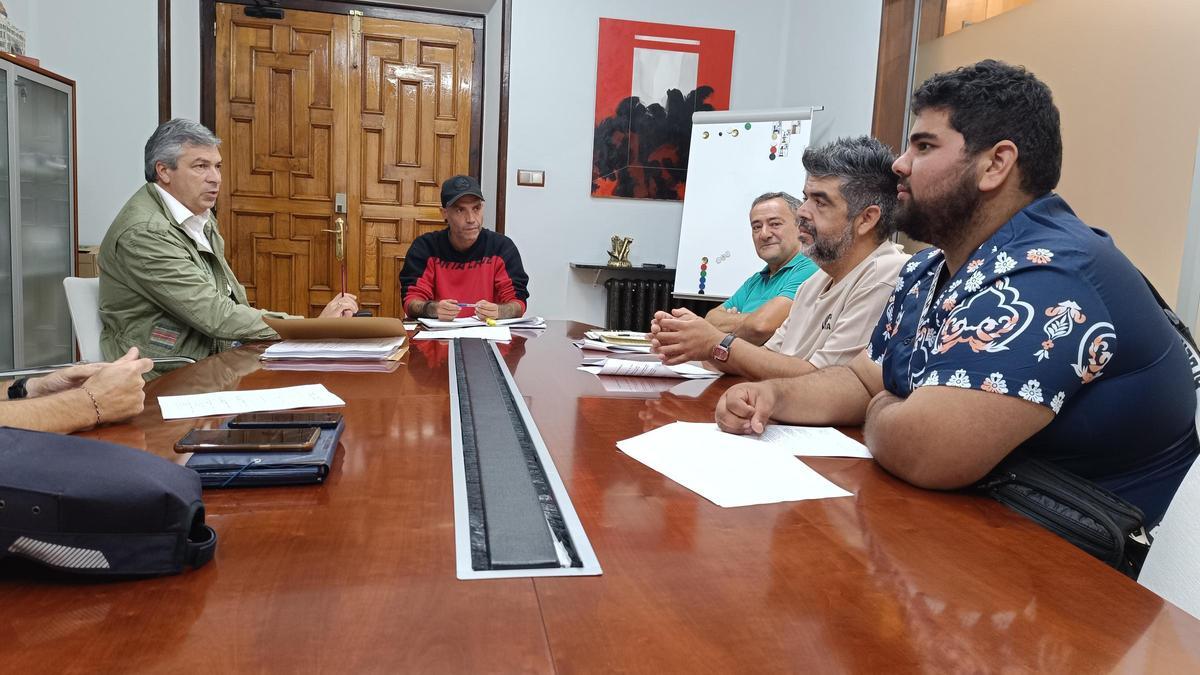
(339, 248)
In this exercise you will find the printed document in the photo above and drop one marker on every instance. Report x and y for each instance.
(809, 441)
(728, 470)
(250, 400)
(497, 333)
(645, 368)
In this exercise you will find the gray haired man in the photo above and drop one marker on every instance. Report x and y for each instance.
(845, 222)
(165, 286)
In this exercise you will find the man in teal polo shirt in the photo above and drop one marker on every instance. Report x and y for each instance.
(760, 306)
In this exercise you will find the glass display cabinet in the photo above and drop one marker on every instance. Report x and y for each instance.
(37, 214)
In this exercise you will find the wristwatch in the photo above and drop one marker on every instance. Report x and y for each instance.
(721, 352)
(16, 390)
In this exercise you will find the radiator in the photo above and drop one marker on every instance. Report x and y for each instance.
(633, 302)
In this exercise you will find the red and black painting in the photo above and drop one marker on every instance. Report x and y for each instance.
(650, 78)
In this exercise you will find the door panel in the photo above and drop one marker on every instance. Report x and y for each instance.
(318, 104)
(284, 133)
(413, 104)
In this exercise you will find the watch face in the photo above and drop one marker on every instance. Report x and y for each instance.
(720, 353)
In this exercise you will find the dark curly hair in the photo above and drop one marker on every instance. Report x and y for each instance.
(991, 101)
(864, 166)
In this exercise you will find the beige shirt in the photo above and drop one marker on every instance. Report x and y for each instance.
(830, 325)
(192, 223)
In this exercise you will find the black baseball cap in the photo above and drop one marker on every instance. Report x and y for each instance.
(456, 187)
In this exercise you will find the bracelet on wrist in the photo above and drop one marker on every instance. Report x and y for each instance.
(95, 404)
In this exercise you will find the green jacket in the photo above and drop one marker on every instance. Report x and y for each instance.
(162, 294)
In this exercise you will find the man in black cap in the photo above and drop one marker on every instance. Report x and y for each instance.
(463, 270)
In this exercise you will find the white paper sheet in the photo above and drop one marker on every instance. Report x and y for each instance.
(497, 333)
(652, 385)
(729, 470)
(811, 441)
(646, 368)
(250, 400)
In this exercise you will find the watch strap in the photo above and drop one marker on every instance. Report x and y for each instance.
(17, 390)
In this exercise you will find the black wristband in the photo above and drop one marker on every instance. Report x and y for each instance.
(16, 390)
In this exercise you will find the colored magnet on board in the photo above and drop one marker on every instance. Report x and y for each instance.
(704, 135)
(773, 148)
(772, 156)
(747, 126)
(704, 259)
(703, 267)
(703, 274)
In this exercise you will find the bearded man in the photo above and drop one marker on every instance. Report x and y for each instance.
(845, 222)
(1024, 331)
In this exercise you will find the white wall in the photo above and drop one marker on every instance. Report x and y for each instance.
(185, 59)
(113, 58)
(551, 111)
(831, 58)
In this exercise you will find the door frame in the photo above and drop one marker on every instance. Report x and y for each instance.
(388, 10)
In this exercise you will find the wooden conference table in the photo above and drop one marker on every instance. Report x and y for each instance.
(357, 575)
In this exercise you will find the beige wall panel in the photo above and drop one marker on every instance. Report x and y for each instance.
(1124, 77)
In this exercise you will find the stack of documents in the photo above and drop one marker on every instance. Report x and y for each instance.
(526, 322)
(731, 470)
(371, 349)
(615, 341)
(645, 368)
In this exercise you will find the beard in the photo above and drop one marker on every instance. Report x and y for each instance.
(825, 249)
(942, 218)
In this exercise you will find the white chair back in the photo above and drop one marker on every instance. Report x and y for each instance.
(1172, 568)
(83, 300)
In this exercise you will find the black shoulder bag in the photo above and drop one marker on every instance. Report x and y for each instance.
(1076, 509)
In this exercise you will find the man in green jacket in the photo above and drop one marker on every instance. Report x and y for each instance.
(165, 286)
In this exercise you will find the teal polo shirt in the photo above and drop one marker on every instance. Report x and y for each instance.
(761, 287)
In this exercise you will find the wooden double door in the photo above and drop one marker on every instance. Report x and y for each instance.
(319, 110)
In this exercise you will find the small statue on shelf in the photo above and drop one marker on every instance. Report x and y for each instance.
(619, 255)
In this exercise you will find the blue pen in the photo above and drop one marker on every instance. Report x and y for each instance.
(465, 304)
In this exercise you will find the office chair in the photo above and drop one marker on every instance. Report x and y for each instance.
(1170, 567)
(83, 300)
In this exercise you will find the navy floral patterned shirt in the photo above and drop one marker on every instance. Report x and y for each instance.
(1050, 311)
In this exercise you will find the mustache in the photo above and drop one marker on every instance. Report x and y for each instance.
(806, 227)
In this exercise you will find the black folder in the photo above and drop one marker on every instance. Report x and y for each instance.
(250, 469)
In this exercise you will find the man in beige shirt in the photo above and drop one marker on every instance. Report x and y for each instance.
(845, 224)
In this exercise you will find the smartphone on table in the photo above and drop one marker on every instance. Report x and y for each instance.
(286, 420)
(249, 440)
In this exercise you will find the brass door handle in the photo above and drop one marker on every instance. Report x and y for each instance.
(339, 248)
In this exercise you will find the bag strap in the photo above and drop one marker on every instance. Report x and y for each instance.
(1189, 343)
(200, 549)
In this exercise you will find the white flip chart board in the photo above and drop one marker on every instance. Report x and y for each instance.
(735, 157)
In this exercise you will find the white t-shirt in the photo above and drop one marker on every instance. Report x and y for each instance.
(830, 325)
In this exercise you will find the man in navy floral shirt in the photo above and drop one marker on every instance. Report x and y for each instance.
(1024, 330)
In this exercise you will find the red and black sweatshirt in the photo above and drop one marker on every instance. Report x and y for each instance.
(490, 270)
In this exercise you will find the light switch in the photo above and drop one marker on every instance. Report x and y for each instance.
(531, 178)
